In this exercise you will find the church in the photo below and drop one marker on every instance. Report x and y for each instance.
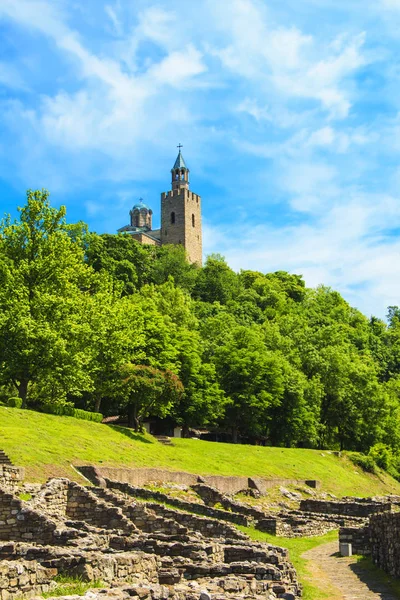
(180, 216)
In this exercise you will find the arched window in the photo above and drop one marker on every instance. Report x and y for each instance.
(172, 218)
(136, 221)
(193, 221)
(176, 175)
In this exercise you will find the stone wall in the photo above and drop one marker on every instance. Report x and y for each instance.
(137, 477)
(207, 527)
(23, 577)
(385, 542)
(201, 509)
(117, 568)
(19, 522)
(226, 485)
(83, 505)
(10, 476)
(186, 552)
(263, 485)
(358, 537)
(355, 507)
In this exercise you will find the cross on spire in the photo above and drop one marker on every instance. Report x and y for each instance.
(179, 146)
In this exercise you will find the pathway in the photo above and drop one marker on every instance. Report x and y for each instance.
(351, 581)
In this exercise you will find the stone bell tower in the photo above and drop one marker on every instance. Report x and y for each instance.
(181, 213)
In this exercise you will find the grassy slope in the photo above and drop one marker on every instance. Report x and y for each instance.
(47, 445)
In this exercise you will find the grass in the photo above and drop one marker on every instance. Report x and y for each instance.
(48, 445)
(71, 586)
(296, 547)
(366, 564)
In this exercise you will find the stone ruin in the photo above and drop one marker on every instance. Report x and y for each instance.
(146, 550)
(140, 542)
(284, 523)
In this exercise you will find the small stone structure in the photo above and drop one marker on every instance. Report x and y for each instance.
(10, 476)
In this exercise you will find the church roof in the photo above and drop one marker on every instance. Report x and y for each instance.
(140, 205)
(179, 163)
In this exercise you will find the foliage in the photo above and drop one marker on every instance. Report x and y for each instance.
(15, 402)
(68, 409)
(366, 463)
(68, 585)
(145, 390)
(259, 356)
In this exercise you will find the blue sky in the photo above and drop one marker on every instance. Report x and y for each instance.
(288, 113)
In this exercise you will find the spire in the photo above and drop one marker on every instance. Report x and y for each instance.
(180, 172)
(179, 163)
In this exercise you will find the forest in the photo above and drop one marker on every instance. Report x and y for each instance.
(103, 324)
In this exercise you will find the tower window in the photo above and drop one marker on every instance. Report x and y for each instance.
(136, 221)
(172, 218)
(193, 221)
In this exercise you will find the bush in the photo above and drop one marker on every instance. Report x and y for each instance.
(89, 416)
(366, 463)
(67, 409)
(15, 402)
(382, 455)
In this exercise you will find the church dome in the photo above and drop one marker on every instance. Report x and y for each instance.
(140, 205)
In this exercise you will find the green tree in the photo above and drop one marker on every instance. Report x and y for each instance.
(216, 282)
(252, 379)
(145, 390)
(44, 284)
(122, 257)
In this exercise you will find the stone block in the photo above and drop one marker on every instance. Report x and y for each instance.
(345, 549)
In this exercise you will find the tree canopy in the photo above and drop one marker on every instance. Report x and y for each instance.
(104, 323)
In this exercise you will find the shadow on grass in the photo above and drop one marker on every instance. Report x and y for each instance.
(377, 581)
(132, 435)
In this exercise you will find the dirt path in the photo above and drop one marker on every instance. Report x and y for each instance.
(351, 581)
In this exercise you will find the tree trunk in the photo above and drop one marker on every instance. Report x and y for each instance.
(185, 430)
(133, 419)
(23, 391)
(234, 435)
(97, 404)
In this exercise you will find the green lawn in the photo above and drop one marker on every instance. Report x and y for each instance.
(48, 445)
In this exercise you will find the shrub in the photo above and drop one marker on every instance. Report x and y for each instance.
(382, 455)
(15, 402)
(366, 463)
(68, 409)
(89, 416)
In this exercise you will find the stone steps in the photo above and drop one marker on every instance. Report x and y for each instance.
(164, 439)
(4, 459)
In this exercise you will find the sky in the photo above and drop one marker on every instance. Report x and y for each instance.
(288, 112)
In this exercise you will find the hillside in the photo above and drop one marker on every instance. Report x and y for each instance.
(48, 445)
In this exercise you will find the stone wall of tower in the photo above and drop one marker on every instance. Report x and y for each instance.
(181, 222)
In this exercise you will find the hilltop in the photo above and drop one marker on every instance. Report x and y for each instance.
(48, 445)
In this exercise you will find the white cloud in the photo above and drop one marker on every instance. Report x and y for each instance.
(391, 4)
(348, 248)
(295, 64)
